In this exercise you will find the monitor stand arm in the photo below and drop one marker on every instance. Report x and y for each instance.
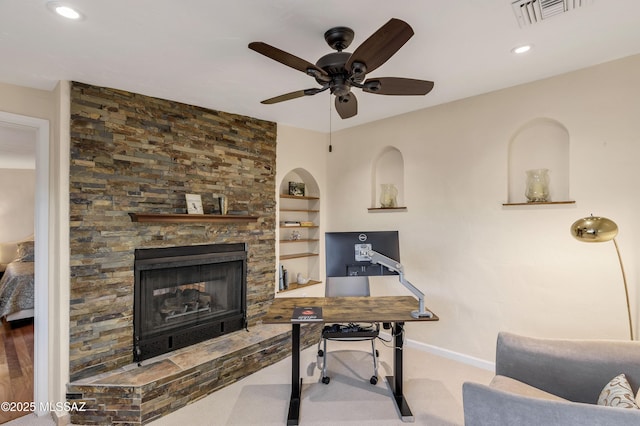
(392, 265)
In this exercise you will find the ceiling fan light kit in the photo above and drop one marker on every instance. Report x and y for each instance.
(340, 71)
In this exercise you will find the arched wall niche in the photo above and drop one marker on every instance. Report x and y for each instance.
(387, 167)
(542, 143)
(300, 175)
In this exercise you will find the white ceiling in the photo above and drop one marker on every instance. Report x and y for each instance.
(195, 51)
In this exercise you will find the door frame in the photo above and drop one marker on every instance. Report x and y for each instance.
(41, 249)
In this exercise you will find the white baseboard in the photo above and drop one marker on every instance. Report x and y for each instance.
(456, 356)
(449, 354)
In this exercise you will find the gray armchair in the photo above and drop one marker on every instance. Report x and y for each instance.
(553, 382)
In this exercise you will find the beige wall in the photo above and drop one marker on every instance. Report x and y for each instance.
(485, 267)
(17, 187)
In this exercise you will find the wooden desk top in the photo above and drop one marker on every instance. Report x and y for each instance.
(348, 309)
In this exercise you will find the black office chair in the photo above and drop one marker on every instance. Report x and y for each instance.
(345, 287)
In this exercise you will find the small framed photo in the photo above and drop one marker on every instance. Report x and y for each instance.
(194, 203)
(296, 188)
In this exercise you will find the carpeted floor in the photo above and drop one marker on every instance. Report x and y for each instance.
(432, 386)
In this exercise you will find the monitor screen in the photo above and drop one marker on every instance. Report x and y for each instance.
(343, 252)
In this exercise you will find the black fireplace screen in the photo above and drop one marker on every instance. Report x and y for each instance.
(184, 295)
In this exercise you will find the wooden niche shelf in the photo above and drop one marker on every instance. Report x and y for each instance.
(540, 203)
(190, 218)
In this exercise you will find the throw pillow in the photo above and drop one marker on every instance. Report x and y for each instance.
(618, 393)
(25, 251)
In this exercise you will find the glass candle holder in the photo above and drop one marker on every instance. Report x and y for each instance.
(537, 185)
(388, 195)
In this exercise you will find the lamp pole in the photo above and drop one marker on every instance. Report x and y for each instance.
(626, 291)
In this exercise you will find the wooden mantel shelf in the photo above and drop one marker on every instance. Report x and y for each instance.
(190, 218)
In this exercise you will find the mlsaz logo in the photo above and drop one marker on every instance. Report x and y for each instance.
(362, 237)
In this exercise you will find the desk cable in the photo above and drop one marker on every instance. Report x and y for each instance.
(384, 342)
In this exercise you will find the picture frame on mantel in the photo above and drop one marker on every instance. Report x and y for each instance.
(194, 203)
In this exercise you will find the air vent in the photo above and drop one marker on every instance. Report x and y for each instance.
(532, 11)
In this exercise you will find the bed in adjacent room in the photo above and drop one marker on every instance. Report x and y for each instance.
(17, 284)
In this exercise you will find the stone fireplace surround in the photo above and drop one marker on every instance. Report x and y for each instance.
(136, 154)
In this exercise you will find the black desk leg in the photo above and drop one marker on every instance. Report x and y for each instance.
(296, 382)
(395, 381)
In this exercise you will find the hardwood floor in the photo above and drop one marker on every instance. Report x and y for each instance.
(16, 366)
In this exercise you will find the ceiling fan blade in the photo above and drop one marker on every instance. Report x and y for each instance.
(397, 86)
(346, 105)
(287, 59)
(381, 45)
(294, 95)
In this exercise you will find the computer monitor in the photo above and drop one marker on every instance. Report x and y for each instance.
(343, 252)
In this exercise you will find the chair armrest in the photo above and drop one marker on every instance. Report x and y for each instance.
(576, 370)
(484, 406)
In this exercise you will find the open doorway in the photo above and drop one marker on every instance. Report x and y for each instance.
(24, 164)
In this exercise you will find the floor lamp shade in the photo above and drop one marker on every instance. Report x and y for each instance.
(594, 229)
(598, 230)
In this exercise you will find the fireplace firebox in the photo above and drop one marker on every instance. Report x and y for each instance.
(185, 295)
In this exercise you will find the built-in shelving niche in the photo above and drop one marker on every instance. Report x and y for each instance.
(542, 143)
(300, 254)
(387, 167)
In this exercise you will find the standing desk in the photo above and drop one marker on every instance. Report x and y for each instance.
(387, 309)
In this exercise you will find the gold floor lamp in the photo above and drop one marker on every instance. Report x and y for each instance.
(598, 230)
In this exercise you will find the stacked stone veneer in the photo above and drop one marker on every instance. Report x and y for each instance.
(135, 395)
(134, 153)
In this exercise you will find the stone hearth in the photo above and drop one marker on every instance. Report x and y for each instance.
(135, 395)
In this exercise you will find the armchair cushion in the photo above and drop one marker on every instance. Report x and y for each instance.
(507, 384)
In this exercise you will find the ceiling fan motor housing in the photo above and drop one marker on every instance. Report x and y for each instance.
(333, 63)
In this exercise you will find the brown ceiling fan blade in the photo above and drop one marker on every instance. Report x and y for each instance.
(381, 45)
(397, 86)
(285, 97)
(285, 58)
(347, 105)
(294, 95)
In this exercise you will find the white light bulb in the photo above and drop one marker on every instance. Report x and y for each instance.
(67, 12)
(522, 49)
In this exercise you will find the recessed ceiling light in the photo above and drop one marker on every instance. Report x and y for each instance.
(64, 10)
(521, 49)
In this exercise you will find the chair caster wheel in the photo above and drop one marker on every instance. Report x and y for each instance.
(373, 380)
(320, 353)
(326, 380)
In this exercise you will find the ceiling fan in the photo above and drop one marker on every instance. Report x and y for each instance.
(340, 71)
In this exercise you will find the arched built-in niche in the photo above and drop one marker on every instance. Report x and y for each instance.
(387, 168)
(542, 143)
(299, 229)
(300, 175)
